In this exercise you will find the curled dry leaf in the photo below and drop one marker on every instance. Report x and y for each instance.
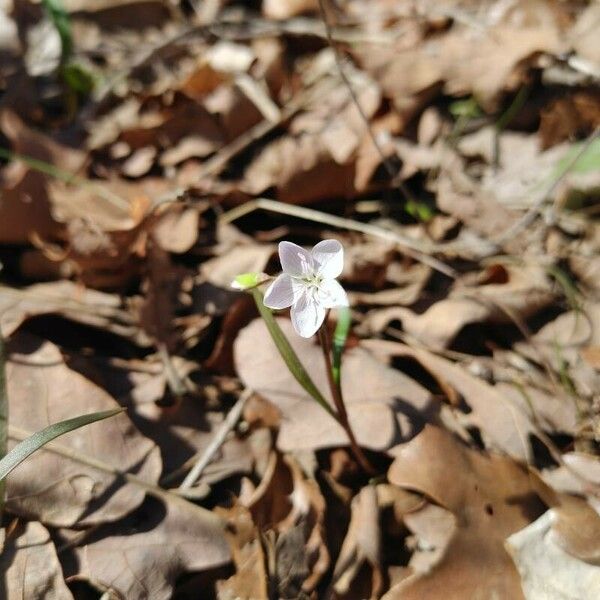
(579, 475)
(142, 556)
(286, 511)
(561, 343)
(503, 423)
(361, 544)
(490, 496)
(484, 59)
(90, 307)
(383, 404)
(62, 490)
(29, 565)
(547, 570)
(316, 159)
(250, 581)
(522, 292)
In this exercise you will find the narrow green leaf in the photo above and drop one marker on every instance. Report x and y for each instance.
(339, 341)
(27, 447)
(3, 415)
(62, 22)
(287, 353)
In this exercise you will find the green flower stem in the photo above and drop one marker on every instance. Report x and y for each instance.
(340, 336)
(3, 417)
(287, 353)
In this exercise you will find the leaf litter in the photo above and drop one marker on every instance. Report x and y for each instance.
(155, 151)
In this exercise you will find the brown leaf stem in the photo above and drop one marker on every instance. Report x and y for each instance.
(338, 400)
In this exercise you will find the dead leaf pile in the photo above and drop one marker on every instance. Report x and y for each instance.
(152, 151)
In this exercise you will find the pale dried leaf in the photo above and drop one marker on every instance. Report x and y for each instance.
(60, 490)
(491, 497)
(546, 570)
(151, 549)
(30, 566)
(382, 403)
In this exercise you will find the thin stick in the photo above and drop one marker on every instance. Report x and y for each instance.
(205, 457)
(338, 400)
(416, 250)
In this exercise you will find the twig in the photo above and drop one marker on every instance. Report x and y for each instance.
(19, 434)
(204, 459)
(342, 414)
(389, 167)
(529, 217)
(412, 248)
(174, 381)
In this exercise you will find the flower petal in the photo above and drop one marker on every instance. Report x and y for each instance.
(307, 315)
(283, 292)
(332, 294)
(329, 258)
(295, 260)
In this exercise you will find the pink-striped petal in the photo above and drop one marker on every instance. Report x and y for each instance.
(295, 260)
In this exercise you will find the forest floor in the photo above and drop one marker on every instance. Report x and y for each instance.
(153, 150)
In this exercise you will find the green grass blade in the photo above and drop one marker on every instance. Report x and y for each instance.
(27, 447)
(287, 353)
(339, 341)
(62, 22)
(3, 416)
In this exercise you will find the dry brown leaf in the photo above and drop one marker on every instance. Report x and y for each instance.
(503, 424)
(491, 497)
(317, 158)
(432, 527)
(560, 343)
(82, 305)
(480, 54)
(579, 475)
(287, 512)
(30, 567)
(176, 229)
(362, 543)
(142, 556)
(60, 490)
(583, 35)
(522, 292)
(568, 117)
(140, 162)
(284, 9)
(247, 258)
(460, 196)
(250, 579)
(181, 429)
(382, 403)
(25, 209)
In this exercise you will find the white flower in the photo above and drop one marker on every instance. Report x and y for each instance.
(308, 284)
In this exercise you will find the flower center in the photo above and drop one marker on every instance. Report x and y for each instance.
(313, 280)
